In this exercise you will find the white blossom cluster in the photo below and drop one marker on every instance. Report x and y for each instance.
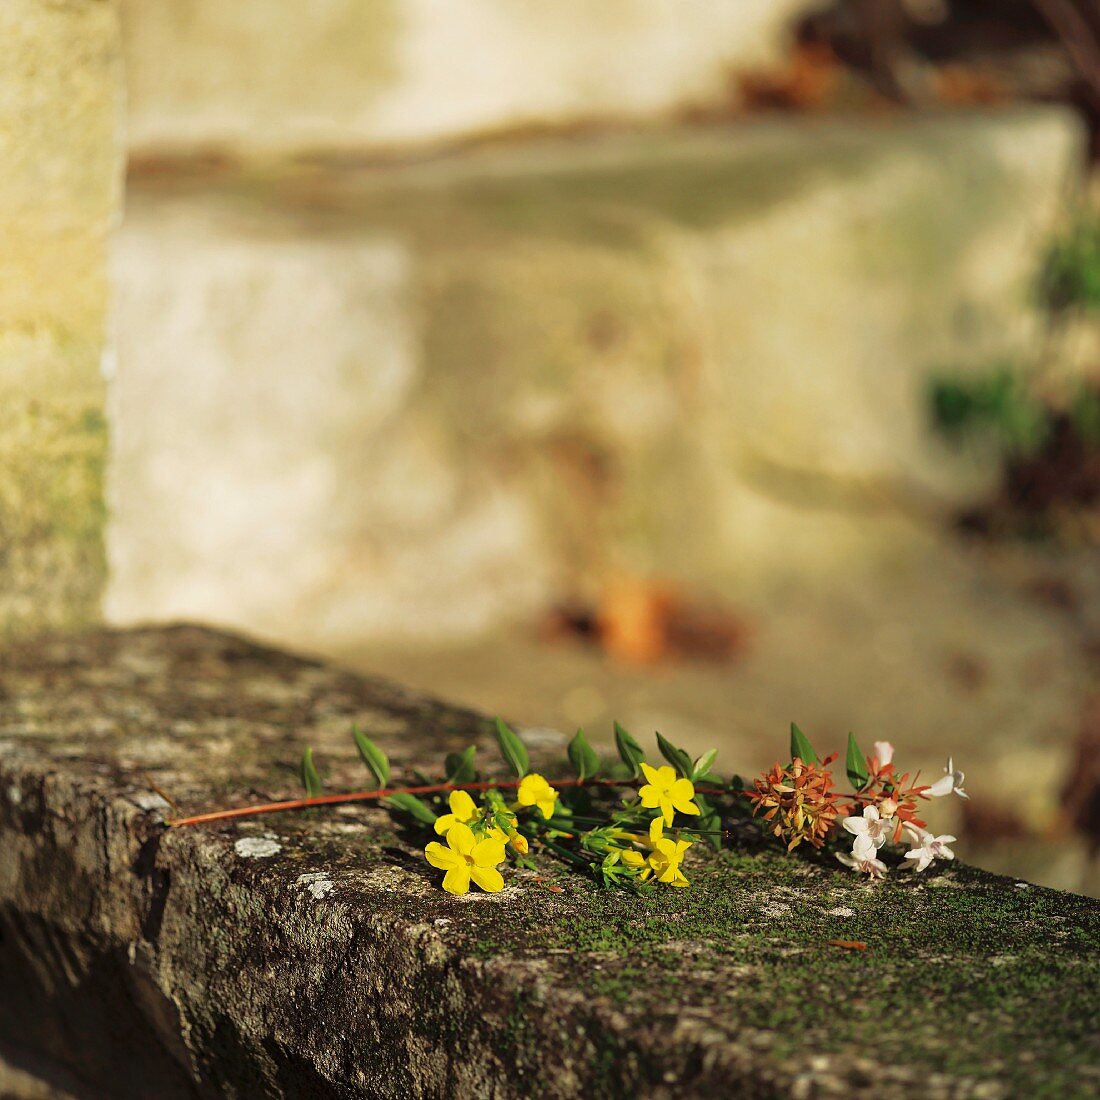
(877, 824)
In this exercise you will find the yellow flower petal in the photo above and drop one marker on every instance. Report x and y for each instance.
(656, 830)
(444, 822)
(686, 807)
(463, 806)
(487, 853)
(683, 790)
(457, 879)
(529, 789)
(534, 790)
(666, 809)
(650, 797)
(650, 773)
(443, 858)
(488, 878)
(632, 858)
(461, 839)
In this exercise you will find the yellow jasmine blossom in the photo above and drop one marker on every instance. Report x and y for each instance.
(664, 859)
(535, 791)
(667, 855)
(667, 793)
(465, 857)
(464, 811)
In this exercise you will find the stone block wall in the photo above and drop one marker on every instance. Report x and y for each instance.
(427, 398)
(60, 183)
(422, 401)
(352, 74)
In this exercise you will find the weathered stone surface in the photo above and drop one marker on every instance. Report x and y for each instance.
(476, 383)
(60, 97)
(368, 73)
(314, 955)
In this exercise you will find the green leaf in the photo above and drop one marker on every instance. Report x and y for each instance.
(513, 750)
(676, 757)
(413, 806)
(310, 778)
(373, 757)
(800, 747)
(460, 765)
(702, 766)
(856, 764)
(583, 757)
(630, 751)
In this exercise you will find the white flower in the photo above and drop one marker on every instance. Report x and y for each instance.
(927, 848)
(952, 782)
(884, 753)
(870, 828)
(863, 860)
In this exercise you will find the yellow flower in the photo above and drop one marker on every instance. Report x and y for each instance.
(535, 791)
(465, 858)
(464, 811)
(667, 855)
(667, 793)
(664, 859)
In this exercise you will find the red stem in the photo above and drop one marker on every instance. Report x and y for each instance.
(370, 796)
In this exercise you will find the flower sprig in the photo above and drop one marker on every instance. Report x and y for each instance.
(632, 824)
(598, 836)
(800, 804)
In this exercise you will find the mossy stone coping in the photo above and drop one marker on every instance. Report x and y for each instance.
(314, 954)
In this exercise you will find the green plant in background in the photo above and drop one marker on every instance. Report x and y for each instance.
(1000, 404)
(1005, 402)
(1084, 414)
(1070, 276)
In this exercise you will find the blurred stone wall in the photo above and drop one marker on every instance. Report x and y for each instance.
(356, 74)
(420, 401)
(60, 176)
(377, 383)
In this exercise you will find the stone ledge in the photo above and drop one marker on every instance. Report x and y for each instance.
(326, 962)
